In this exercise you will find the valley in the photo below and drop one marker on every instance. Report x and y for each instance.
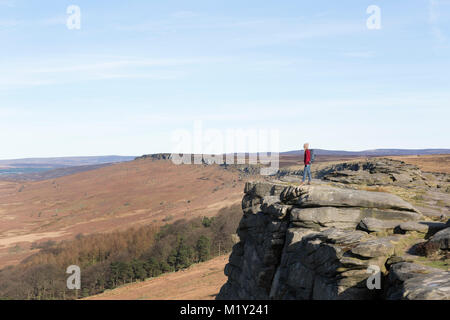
(110, 198)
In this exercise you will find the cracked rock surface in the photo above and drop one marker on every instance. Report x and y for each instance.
(320, 242)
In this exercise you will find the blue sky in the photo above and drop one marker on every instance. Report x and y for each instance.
(137, 71)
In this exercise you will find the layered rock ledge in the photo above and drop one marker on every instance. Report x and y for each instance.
(324, 242)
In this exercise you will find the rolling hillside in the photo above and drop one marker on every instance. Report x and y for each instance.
(201, 281)
(109, 198)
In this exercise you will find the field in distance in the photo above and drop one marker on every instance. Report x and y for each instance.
(428, 163)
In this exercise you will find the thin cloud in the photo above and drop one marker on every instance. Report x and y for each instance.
(10, 23)
(264, 31)
(116, 64)
(359, 54)
(184, 14)
(434, 19)
(59, 20)
(66, 71)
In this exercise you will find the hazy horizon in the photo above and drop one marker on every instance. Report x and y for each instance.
(135, 72)
(282, 151)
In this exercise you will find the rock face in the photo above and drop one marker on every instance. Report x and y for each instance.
(308, 243)
(325, 196)
(412, 226)
(409, 281)
(442, 239)
(374, 172)
(156, 156)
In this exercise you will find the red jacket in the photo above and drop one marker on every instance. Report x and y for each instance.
(307, 158)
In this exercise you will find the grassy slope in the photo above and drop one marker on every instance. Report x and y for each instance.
(110, 198)
(201, 281)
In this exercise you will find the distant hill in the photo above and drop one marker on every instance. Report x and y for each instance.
(63, 161)
(43, 173)
(35, 169)
(372, 153)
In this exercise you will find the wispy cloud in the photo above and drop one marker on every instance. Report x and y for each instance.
(182, 21)
(119, 63)
(251, 31)
(32, 23)
(57, 20)
(359, 54)
(25, 74)
(9, 23)
(434, 20)
(185, 14)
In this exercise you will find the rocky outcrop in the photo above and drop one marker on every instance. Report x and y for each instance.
(411, 226)
(410, 281)
(428, 191)
(327, 196)
(374, 172)
(155, 156)
(320, 242)
(442, 239)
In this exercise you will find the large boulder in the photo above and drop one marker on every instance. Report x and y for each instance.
(327, 196)
(369, 219)
(376, 225)
(379, 247)
(442, 239)
(263, 188)
(410, 281)
(374, 172)
(412, 226)
(318, 218)
(428, 228)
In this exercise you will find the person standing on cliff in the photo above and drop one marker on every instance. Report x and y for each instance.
(307, 162)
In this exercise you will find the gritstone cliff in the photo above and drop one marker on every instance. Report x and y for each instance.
(324, 241)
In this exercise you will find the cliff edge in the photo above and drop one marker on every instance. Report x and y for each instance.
(330, 242)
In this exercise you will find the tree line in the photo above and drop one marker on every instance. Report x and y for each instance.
(109, 260)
